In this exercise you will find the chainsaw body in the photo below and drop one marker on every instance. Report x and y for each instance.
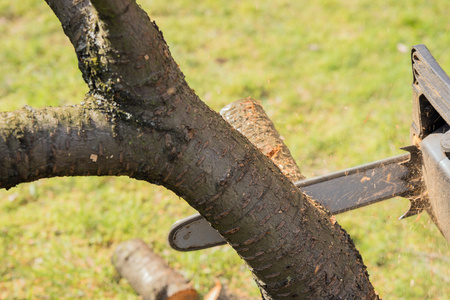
(430, 131)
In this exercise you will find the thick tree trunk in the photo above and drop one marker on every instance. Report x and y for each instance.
(141, 119)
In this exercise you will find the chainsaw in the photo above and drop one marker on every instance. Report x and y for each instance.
(421, 175)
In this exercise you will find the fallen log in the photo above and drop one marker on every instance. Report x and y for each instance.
(149, 275)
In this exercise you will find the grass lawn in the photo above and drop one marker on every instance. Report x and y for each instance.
(333, 75)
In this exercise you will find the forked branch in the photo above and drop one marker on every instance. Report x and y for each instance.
(148, 124)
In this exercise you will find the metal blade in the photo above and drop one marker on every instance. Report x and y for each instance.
(338, 192)
(367, 184)
(194, 233)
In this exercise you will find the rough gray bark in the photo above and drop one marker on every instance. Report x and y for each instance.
(142, 120)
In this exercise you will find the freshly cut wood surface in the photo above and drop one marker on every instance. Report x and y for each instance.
(248, 117)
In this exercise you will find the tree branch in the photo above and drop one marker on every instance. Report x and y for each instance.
(210, 165)
(121, 53)
(249, 118)
(167, 136)
(62, 141)
(75, 16)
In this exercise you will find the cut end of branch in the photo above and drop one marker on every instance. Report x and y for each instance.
(248, 117)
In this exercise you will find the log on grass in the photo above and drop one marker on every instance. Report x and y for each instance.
(149, 275)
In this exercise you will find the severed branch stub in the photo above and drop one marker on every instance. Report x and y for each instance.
(248, 117)
(149, 275)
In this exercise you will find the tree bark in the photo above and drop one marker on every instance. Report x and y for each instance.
(142, 120)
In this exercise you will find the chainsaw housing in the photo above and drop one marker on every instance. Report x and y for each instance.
(430, 131)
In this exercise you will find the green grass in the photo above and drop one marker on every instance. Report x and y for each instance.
(330, 75)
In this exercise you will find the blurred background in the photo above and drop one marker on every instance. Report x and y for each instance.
(335, 78)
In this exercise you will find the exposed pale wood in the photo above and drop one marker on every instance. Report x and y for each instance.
(148, 273)
(249, 118)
